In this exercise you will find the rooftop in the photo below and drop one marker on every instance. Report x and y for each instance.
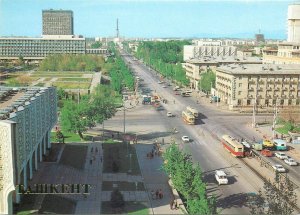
(229, 59)
(261, 69)
(13, 97)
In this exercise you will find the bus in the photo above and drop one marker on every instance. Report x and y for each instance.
(280, 145)
(188, 117)
(193, 111)
(233, 146)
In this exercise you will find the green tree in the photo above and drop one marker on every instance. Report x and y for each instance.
(96, 45)
(278, 196)
(208, 80)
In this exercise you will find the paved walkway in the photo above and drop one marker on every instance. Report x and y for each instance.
(155, 178)
(95, 81)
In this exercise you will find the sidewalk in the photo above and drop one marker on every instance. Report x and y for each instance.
(155, 178)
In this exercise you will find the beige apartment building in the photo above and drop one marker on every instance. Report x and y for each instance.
(195, 67)
(287, 53)
(239, 85)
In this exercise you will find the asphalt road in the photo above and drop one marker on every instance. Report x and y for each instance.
(204, 147)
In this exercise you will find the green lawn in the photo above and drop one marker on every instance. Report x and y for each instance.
(72, 85)
(57, 205)
(282, 130)
(74, 155)
(75, 79)
(117, 153)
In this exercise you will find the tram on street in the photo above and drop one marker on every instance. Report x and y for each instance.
(280, 144)
(188, 117)
(193, 111)
(233, 146)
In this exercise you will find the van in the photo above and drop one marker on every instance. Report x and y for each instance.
(221, 177)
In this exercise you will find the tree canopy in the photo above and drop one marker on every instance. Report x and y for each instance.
(208, 80)
(91, 109)
(187, 179)
(165, 57)
(69, 62)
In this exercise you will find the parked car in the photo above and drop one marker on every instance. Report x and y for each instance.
(221, 177)
(280, 155)
(164, 86)
(177, 93)
(267, 153)
(290, 161)
(185, 139)
(279, 168)
(169, 114)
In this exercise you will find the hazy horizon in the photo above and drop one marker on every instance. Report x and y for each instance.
(152, 18)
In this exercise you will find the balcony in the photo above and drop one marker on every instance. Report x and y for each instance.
(251, 89)
(269, 88)
(251, 82)
(278, 82)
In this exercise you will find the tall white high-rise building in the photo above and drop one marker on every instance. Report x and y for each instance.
(294, 23)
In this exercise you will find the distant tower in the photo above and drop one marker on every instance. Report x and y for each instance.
(294, 23)
(117, 28)
(259, 38)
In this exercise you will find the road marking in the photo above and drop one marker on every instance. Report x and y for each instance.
(197, 143)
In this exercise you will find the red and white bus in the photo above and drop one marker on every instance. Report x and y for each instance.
(233, 146)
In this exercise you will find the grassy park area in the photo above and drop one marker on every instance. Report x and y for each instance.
(72, 85)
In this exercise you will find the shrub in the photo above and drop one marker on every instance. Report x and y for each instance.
(116, 199)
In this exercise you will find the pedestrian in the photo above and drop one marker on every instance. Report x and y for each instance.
(91, 161)
(152, 151)
(92, 149)
(171, 204)
(175, 205)
(152, 194)
(160, 194)
(157, 194)
(112, 136)
(94, 158)
(96, 150)
(101, 159)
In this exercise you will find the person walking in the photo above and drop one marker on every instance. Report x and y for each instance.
(171, 204)
(152, 194)
(157, 194)
(160, 194)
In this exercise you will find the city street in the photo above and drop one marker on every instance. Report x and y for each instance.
(205, 148)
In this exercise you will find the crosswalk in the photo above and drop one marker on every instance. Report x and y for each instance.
(197, 142)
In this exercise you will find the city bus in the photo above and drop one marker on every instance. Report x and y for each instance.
(233, 146)
(188, 117)
(193, 111)
(280, 145)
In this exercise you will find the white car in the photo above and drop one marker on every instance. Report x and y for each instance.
(290, 161)
(185, 139)
(169, 114)
(164, 86)
(279, 168)
(281, 155)
(221, 177)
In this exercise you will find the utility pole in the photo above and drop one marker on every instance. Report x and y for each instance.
(274, 119)
(254, 108)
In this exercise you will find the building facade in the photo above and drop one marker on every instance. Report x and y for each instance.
(294, 23)
(287, 53)
(195, 67)
(39, 48)
(57, 22)
(27, 116)
(242, 85)
(192, 51)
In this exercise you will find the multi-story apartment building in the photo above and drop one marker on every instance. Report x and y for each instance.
(240, 85)
(287, 53)
(57, 22)
(192, 51)
(27, 116)
(39, 48)
(195, 67)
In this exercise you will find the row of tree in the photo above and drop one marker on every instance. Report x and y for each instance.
(94, 108)
(187, 180)
(165, 57)
(69, 62)
(120, 73)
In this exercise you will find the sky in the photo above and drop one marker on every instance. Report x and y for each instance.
(152, 18)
